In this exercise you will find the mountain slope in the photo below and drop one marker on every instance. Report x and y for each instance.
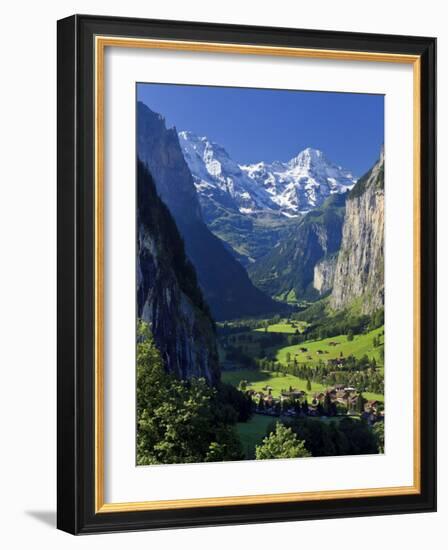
(249, 238)
(288, 270)
(359, 272)
(225, 284)
(168, 296)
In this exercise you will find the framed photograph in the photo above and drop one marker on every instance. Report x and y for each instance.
(246, 274)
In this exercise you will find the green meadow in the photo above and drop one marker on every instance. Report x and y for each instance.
(362, 344)
(278, 382)
(252, 432)
(284, 327)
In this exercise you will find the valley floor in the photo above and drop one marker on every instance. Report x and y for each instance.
(261, 359)
(278, 381)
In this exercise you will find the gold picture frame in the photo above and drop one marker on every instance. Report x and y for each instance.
(98, 41)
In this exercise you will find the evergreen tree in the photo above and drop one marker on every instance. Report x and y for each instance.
(305, 407)
(282, 443)
(360, 402)
(178, 421)
(378, 430)
(329, 407)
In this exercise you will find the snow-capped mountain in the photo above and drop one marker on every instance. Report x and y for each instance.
(217, 176)
(290, 188)
(303, 183)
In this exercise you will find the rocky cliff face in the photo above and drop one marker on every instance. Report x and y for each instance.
(226, 286)
(359, 273)
(168, 297)
(324, 274)
(288, 270)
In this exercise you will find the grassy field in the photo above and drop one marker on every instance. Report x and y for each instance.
(284, 327)
(278, 382)
(362, 344)
(252, 433)
(289, 297)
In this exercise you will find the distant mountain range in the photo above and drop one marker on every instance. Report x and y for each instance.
(288, 188)
(288, 223)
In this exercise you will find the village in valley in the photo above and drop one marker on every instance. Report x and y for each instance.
(336, 401)
(293, 376)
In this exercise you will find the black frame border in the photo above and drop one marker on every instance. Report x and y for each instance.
(75, 272)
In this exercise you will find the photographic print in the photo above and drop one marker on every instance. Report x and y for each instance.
(236, 302)
(260, 274)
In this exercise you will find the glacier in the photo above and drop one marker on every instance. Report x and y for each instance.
(288, 188)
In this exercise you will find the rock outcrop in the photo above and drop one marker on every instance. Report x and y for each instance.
(288, 270)
(359, 273)
(324, 272)
(168, 296)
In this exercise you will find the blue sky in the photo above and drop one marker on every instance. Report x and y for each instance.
(255, 124)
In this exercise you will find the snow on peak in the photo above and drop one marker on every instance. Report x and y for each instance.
(308, 157)
(216, 175)
(292, 187)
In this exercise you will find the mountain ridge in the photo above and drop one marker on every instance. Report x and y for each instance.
(288, 188)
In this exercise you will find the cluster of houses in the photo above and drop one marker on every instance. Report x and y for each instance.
(286, 403)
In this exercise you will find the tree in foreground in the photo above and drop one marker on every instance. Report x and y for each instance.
(281, 443)
(178, 421)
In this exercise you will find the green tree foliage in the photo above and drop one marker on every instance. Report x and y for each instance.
(322, 325)
(235, 405)
(350, 335)
(178, 421)
(329, 406)
(360, 402)
(281, 443)
(377, 319)
(378, 430)
(347, 437)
